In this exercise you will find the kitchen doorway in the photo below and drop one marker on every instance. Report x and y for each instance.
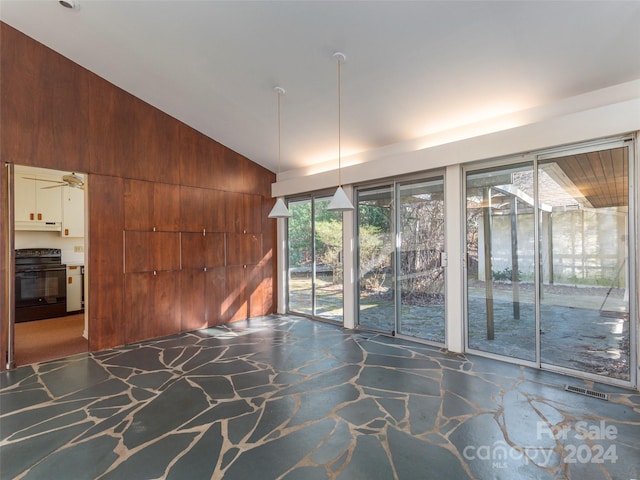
(49, 242)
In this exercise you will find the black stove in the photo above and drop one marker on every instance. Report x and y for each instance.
(27, 258)
(41, 289)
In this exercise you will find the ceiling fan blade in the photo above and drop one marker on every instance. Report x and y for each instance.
(52, 186)
(43, 180)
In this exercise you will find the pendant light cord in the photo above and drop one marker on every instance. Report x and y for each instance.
(279, 92)
(279, 133)
(339, 129)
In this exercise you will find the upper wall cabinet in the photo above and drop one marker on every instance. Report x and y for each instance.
(44, 202)
(36, 207)
(243, 249)
(202, 210)
(150, 206)
(202, 251)
(72, 212)
(151, 251)
(244, 212)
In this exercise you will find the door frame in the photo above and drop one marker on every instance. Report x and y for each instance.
(10, 270)
(630, 141)
(311, 198)
(395, 183)
(10, 259)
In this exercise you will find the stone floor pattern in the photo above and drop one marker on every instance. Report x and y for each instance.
(289, 398)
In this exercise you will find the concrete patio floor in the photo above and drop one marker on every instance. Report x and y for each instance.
(575, 333)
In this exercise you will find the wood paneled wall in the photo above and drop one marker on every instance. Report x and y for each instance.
(153, 183)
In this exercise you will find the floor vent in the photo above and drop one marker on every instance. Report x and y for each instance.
(588, 393)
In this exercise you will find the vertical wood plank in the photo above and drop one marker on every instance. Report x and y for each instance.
(193, 297)
(191, 209)
(111, 133)
(215, 290)
(44, 97)
(138, 205)
(106, 279)
(166, 207)
(166, 304)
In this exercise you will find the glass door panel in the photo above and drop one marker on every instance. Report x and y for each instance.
(584, 256)
(315, 259)
(376, 298)
(501, 315)
(300, 235)
(420, 283)
(328, 272)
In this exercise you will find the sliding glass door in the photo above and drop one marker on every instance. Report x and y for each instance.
(376, 258)
(584, 254)
(549, 277)
(400, 253)
(315, 280)
(301, 257)
(420, 282)
(500, 266)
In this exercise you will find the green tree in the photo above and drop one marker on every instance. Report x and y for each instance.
(300, 252)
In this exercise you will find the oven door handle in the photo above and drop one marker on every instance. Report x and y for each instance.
(36, 270)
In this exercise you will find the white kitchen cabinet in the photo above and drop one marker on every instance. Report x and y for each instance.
(34, 205)
(72, 212)
(74, 288)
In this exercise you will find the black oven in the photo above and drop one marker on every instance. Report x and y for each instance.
(41, 289)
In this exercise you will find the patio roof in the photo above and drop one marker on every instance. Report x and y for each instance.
(601, 177)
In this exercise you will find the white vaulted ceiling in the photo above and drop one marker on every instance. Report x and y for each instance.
(413, 68)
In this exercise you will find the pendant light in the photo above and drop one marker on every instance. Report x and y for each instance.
(339, 202)
(279, 210)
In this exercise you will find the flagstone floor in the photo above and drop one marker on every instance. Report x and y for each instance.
(283, 397)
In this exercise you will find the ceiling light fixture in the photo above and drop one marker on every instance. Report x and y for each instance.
(68, 3)
(339, 202)
(279, 210)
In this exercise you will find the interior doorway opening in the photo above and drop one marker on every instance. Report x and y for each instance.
(49, 236)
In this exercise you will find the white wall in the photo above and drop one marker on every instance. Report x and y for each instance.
(28, 239)
(604, 113)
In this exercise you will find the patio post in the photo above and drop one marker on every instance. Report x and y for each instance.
(515, 280)
(550, 245)
(488, 280)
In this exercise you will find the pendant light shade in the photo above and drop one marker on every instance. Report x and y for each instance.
(279, 210)
(340, 202)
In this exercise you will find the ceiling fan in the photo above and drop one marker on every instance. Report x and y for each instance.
(70, 179)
